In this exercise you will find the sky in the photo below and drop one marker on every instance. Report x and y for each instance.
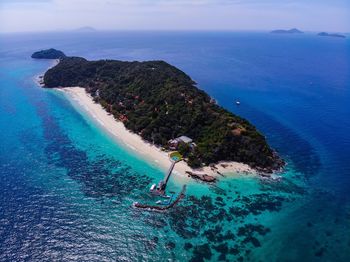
(53, 15)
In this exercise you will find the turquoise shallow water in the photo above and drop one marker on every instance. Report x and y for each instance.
(67, 186)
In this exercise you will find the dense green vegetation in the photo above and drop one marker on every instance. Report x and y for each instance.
(160, 102)
(48, 54)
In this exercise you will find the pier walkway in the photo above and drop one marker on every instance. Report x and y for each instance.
(170, 170)
(160, 188)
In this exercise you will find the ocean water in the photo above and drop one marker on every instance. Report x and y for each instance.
(67, 187)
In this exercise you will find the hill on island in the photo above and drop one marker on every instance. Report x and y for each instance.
(290, 31)
(48, 54)
(160, 102)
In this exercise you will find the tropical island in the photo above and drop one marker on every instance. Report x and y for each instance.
(331, 35)
(163, 105)
(290, 31)
(48, 54)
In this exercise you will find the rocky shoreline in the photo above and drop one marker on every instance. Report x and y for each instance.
(202, 177)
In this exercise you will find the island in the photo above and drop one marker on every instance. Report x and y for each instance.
(48, 54)
(290, 31)
(331, 35)
(164, 106)
(85, 29)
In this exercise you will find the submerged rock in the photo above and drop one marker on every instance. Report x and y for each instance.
(201, 252)
(188, 246)
(170, 245)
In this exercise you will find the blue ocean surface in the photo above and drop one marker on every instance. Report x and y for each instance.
(67, 186)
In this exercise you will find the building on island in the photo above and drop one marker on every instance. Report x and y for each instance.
(174, 143)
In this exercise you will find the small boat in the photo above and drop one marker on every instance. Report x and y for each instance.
(238, 103)
(153, 187)
(166, 196)
(159, 202)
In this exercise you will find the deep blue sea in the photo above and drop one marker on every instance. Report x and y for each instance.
(67, 187)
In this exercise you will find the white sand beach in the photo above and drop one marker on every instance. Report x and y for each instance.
(140, 146)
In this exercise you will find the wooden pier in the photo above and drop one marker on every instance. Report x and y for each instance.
(170, 170)
(161, 208)
(160, 189)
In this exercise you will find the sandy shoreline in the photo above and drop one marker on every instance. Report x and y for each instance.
(141, 147)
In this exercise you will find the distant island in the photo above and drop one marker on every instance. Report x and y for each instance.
(331, 35)
(290, 31)
(162, 104)
(48, 54)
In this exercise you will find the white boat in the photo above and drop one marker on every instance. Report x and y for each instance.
(238, 103)
(153, 187)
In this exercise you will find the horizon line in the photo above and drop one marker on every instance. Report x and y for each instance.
(94, 30)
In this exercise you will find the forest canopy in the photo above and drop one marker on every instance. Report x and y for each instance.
(48, 54)
(160, 102)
